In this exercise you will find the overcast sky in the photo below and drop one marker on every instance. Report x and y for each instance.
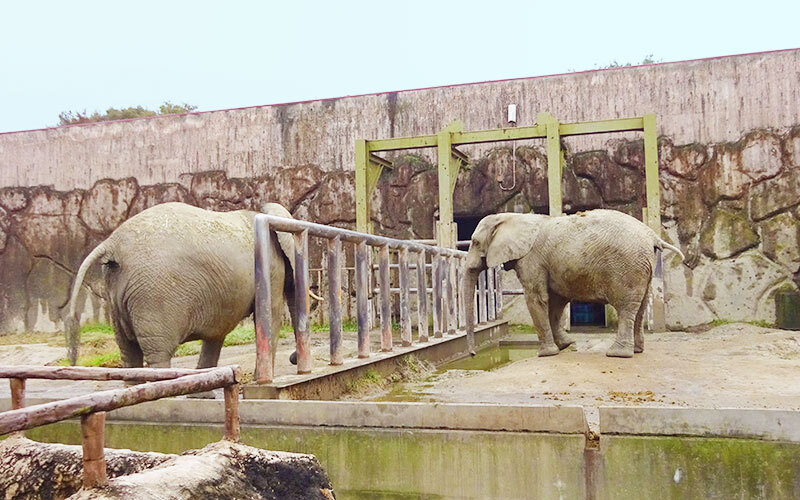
(90, 55)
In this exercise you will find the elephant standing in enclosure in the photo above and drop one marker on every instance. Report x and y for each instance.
(176, 273)
(594, 256)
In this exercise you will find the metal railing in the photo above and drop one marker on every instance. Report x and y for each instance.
(441, 267)
(92, 408)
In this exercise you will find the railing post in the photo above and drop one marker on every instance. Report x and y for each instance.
(452, 295)
(362, 292)
(422, 299)
(444, 279)
(17, 393)
(436, 279)
(301, 302)
(232, 412)
(94, 462)
(491, 292)
(405, 308)
(335, 299)
(265, 343)
(499, 291)
(462, 319)
(482, 297)
(384, 287)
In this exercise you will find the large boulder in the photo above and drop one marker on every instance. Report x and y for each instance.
(106, 205)
(780, 240)
(726, 234)
(775, 195)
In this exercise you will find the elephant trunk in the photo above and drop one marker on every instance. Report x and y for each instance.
(469, 282)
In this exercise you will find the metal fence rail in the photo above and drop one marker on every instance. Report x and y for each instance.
(437, 271)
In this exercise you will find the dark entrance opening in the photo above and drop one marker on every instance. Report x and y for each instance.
(466, 226)
(587, 314)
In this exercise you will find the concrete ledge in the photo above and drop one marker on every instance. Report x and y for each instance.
(765, 424)
(330, 382)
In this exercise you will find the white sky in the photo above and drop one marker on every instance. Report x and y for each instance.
(91, 55)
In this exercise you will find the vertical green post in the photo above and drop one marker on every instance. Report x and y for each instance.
(553, 164)
(362, 196)
(448, 171)
(651, 173)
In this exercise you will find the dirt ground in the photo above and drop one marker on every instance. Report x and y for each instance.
(735, 365)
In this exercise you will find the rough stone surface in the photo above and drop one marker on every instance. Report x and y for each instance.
(734, 288)
(106, 205)
(221, 470)
(726, 234)
(775, 195)
(780, 240)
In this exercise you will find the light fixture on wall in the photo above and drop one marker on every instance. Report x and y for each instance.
(512, 122)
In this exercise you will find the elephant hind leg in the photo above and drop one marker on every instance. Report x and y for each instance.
(557, 303)
(638, 326)
(209, 353)
(623, 345)
(129, 349)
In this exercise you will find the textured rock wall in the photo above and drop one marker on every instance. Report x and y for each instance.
(729, 173)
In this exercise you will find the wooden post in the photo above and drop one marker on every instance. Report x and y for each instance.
(436, 279)
(482, 297)
(265, 346)
(362, 293)
(94, 461)
(491, 292)
(405, 307)
(17, 393)
(301, 302)
(386, 299)
(422, 299)
(232, 412)
(335, 299)
(452, 296)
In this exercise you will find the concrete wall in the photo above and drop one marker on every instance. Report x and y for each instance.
(729, 152)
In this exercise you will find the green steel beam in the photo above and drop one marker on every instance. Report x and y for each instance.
(460, 156)
(500, 134)
(553, 162)
(380, 162)
(600, 127)
(362, 193)
(652, 188)
(423, 141)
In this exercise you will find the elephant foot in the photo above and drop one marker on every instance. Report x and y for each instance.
(620, 350)
(638, 349)
(564, 341)
(548, 350)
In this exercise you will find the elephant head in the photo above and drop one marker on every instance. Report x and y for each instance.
(497, 239)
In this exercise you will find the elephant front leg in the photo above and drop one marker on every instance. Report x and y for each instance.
(209, 353)
(538, 308)
(557, 304)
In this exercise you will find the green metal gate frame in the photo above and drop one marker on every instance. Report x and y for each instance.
(369, 165)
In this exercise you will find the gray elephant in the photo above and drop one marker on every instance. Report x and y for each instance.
(593, 256)
(176, 273)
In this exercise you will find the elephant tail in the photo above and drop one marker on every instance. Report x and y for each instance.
(663, 244)
(72, 321)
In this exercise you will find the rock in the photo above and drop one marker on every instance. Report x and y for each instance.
(106, 205)
(735, 166)
(290, 186)
(687, 161)
(780, 240)
(735, 287)
(63, 239)
(421, 203)
(15, 264)
(29, 469)
(332, 201)
(616, 184)
(48, 287)
(150, 196)
(46, 201)
(222, 470)
(681, 201)
(628, 153)
(213, 190)
(578, 193)
(683, 287)
(13, 199)
(792, 146)
(726, 234)
(775, 195)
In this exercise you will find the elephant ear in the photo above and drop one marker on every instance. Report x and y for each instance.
(512, 238)
(285, 240)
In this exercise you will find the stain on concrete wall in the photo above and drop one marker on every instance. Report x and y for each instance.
(729, 170)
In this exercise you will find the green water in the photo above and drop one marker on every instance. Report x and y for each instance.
(485, 360)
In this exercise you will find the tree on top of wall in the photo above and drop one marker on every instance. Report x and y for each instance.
(648, 59)
(111, 114)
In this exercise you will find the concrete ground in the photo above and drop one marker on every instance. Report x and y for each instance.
(736, 365)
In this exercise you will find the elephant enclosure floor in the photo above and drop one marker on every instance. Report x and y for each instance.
(735, 365)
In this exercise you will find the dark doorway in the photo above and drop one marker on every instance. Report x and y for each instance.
(466, 226)
(587, 314)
